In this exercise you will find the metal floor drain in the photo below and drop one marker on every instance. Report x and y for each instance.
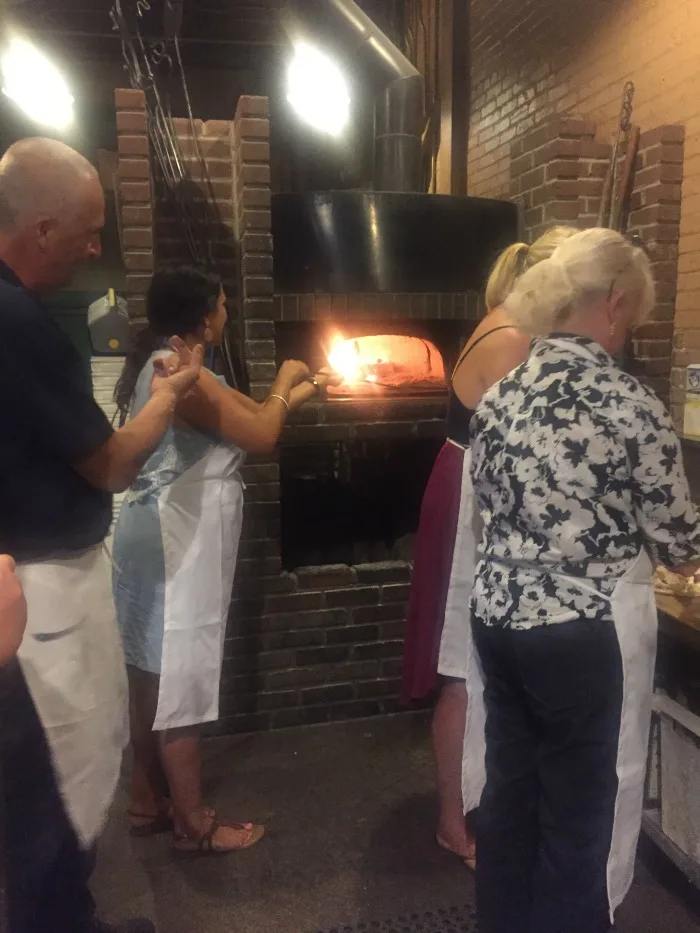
(449, 920)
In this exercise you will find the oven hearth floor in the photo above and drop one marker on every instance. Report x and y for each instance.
(349, 813)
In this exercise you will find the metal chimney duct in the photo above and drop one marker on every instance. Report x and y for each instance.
(399, 110)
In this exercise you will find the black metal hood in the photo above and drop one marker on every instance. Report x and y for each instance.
(356, 241)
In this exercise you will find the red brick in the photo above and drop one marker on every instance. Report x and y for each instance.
(256, 197)
(254, 174)
(129, 99)
(137, 238)
(558, 149)
(255, 286)
(658, 367)
(561, 210)
(655, 195)
(653, 349)
(138, 260)
(563, 168)
(662, 134)
(132, 121)
(253, 128)
(520, 166)
(656, 213)
(134, 168)
(137, 284)
(533, 217)
(671, 155)
(594, 150)
(595, 169)
(257, 220)
(661, 172)
(249, 106)
(183, 126)
(655, 331)
(253, 151)
(532, 179)
(135, 191)
(256, 242)
(137, 215)
(257, 264)
(132, 145)
(215, 129)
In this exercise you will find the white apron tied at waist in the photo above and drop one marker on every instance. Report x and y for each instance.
(73, 663)
(634, 615)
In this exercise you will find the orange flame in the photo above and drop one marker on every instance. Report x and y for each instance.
(387, 360)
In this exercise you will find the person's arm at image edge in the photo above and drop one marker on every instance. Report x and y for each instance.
(13, 610)
(665, 509)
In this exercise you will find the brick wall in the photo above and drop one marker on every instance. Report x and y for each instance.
(557, 174)
(207, 156)
(134, 196)
(541, 58)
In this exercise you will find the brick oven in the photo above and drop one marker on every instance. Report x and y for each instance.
(316, 623)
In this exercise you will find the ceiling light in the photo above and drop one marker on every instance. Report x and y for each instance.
(36, 85)
(317, 90)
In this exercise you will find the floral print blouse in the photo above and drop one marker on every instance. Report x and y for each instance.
(576, 467)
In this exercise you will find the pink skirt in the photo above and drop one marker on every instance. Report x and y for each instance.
(437, 625)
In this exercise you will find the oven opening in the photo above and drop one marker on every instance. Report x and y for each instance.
(353, 502)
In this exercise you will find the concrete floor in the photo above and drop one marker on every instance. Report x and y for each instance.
(349, 812)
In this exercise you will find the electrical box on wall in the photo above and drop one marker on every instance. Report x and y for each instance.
(108, 323)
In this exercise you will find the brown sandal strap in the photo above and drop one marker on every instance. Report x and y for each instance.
(206, 840)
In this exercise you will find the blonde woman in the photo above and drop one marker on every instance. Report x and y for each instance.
(437, 628)
(578, 476)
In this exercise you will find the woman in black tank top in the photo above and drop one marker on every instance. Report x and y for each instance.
(437, 640)
(458, 415)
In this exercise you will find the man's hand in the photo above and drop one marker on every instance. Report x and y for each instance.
(178, 372)
(13, 610)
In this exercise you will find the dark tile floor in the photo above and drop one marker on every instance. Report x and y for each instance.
(349, 812)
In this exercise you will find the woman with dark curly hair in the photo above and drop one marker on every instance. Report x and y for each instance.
(175, 551)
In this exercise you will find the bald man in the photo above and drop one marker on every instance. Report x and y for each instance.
(60, 461)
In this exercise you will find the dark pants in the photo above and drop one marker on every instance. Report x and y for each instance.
(46, 871)
(553, 705)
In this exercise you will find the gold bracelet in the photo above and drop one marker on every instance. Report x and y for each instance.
(281, 398)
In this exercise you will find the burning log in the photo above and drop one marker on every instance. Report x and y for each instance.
(389, 361)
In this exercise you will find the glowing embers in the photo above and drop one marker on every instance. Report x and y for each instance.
(386, 362)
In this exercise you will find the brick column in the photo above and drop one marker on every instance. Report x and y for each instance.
(253, 224)
(557, 175)
(134, 191)
(656, 215)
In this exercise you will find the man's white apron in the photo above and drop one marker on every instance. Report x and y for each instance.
(72, 660)
(200, 517)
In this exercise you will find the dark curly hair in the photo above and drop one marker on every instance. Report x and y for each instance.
(177, 302)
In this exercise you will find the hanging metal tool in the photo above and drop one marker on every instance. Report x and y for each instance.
(605, 215)
(621, 205)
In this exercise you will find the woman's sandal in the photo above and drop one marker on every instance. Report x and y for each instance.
(468, 860)
(187, 846)
(148, 824)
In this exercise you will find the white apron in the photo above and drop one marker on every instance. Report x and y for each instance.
(73, 663)
(633, 609)
(200, 518)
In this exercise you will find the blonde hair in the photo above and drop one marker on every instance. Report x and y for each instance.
(585, 266)
(517, 259)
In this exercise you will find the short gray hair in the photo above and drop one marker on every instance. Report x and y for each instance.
(40, 177)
